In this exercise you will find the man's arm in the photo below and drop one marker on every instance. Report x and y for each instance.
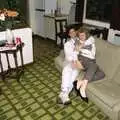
(70, 54)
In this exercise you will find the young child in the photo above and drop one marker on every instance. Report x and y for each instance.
(87, 52)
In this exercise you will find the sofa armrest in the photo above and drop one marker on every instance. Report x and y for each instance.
(116, 113)
(59, 61)
(62, 55)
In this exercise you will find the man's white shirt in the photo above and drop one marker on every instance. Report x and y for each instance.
(70, 53)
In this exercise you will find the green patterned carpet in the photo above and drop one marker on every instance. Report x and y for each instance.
(34, 98)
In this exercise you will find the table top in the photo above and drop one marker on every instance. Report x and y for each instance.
(56, 16)
(10, 48)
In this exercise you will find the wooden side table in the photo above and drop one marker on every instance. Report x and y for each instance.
(13, 51)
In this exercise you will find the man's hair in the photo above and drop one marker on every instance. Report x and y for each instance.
(83, 30)
(68, 28)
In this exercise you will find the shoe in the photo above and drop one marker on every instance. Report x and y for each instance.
(83, 98)
(67, 102)
(59, 100)
(63, 100)
(75, 87)
(78, 92)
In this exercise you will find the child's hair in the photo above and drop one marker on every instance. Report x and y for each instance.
(83, 30)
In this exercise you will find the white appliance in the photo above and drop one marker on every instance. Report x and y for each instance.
(41, 8)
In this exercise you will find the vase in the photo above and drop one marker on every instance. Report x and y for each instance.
(9, 36)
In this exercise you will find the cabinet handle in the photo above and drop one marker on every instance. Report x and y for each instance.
(117, 35)
(41, 10)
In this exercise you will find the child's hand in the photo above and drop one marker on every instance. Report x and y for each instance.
(77, 64)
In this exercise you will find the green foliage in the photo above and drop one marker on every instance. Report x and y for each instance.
(17, 5)
(13, 4)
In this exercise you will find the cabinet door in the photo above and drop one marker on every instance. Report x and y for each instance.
(49, 27)
(46, 27)
(52, 28)
(39, 17)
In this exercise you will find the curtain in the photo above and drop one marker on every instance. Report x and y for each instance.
(79, 11)
(71, 17)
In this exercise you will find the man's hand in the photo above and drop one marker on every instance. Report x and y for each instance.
(74, 65)
(78, 47)
(77, 64)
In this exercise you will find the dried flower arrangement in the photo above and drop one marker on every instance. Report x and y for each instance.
(6, 14)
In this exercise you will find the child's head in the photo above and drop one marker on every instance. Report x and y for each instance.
(83, 34)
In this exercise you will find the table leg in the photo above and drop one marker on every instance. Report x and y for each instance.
(1, 66)
(8, 61)
(16, 65)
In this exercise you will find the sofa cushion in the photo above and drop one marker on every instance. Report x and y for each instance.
(59, 63)
(107, 91)
(107, 57)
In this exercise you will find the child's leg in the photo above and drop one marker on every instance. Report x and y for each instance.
(90, 72)
(79, 83)
(98, 75)
(80, 79)
(83, 88)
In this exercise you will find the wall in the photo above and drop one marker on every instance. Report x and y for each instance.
(31, 14)
(65, 6)
(65, 9)
(50, 5)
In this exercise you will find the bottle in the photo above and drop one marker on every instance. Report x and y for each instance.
(9, 36)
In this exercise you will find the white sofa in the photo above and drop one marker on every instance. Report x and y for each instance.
(104, 93)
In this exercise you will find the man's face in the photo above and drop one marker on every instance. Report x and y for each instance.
(82, 36)
(72, 33)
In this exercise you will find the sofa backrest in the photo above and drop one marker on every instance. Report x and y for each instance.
(117, 76)
(107, 57)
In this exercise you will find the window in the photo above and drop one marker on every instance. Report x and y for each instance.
(98, 12)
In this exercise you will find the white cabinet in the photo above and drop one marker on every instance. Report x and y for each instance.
(49, 21)
(49, 27)
(114, 36)
(37, 17)
(26, 36)
(37, 9)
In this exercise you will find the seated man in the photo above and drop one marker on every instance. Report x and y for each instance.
(70, 70)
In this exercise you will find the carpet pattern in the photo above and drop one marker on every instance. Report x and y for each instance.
(34, 98)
